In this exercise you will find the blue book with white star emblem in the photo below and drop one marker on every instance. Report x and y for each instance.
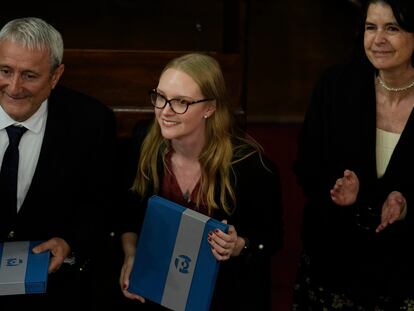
(174, 265)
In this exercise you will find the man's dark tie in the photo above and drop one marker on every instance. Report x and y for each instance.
(8, 172)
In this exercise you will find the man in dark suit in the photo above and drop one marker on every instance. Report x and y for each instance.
(65, 163)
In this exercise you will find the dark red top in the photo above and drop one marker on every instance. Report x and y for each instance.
(170, 189)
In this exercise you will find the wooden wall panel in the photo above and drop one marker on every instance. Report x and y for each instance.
(283, 45)
(290, 44)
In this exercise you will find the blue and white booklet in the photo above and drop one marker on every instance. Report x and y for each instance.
(174, 265)
(22, 271)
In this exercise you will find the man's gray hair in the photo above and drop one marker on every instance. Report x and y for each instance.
(35, 34)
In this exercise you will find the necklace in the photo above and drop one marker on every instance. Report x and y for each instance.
(187, 196)
(395, 89)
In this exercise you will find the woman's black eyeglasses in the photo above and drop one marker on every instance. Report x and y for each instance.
(178, 105)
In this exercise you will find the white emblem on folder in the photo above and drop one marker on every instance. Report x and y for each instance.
(182, 263)
(13, 261)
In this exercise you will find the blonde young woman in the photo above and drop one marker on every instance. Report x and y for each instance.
(192, 155)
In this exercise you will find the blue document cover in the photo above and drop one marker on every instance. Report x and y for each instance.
(174, 265)
(22, 271)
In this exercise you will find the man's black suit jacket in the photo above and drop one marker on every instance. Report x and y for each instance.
(69, 193)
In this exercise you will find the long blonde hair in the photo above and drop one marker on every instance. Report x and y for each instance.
(218, 152)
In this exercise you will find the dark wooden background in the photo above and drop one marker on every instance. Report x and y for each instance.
(283, 44)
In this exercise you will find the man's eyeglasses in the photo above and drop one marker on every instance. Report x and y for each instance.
(178, 105)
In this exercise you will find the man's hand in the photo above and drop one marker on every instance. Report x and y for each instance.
(59, 250)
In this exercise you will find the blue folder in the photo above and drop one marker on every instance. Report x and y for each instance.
(22, 271)
(174, 265)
